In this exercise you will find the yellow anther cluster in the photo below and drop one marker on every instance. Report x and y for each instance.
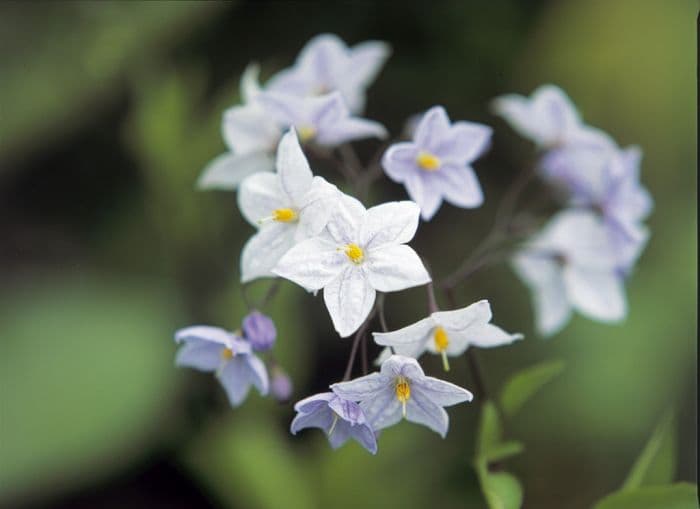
(284, 215)
(227, 354)
(355, 253)
(441, 339)
(428, 161)
(306, 132)
(403, 392)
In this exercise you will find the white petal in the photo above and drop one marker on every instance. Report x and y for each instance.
(460, 320)
(383, 355)
(349, 299)
(487, 336)
(312, 264)
(582, 237)
(442, 393)
(250, 82)
(346, 220)
(204, 333)
(383, 410)
(389, 223)
(293, 168)
(259, 195)
(400, 365)
(411, 340)
(421, 410)
(360, 389)
(264, 249)
(248, 129)
(597, 294)
(394, 268)
(228, 170)
(316, 208)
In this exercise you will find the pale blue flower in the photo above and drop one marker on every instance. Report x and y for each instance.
(401, 390)
(259, 330)
(340, 419)
(326, 65)
(436, 165)
(323, 120)
(217, 350)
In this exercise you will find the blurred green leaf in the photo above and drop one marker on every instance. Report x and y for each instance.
(86, 367)
(524, 384)
(504, 450)
(674, 496)
(657, 462)
(489, 436)
(502, 490)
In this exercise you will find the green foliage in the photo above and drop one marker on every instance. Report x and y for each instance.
(673, 496)
(501, 489)
(524, 384)
(657, 462)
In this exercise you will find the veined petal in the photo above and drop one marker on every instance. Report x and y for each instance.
(410, 341)
(340, 435)
(321, 418)
(464, 142)
(484, 336)
(399, 365)
(458, 185)
(313, 403)
(394, 268)
(264, 250)
(204, 333)
(440, 392)
(234, 377)
(389, 223)
(459, 320)
(597, 294)
(258, 373)
(433, 127)
(259, 196)
(200, 355)
(312, 264)
(349, 129)
(228, 170)
(383, 409)
(346, 220)
(349, 299)
(316, 207)
(421, 410)
(362, 388)
(364, 435)
(293, 168)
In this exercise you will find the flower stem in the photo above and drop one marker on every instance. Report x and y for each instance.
(356, 342)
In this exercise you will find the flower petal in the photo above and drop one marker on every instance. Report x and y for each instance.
(204, 333)
(349, 299)
(264, 250)
(464, 142)
(459, 320)
(312, 264)
(257, 373)
(389, 223)
(247, 129)
(399, 161)
(346, 220)
(321, 418)
(459, 186)
(234, 377)
(433, 127)
(486, 336)
(259, 196)
(411, 340)
(393, 268)
(399, 365)
(364, 435)
(600, 295)
(228, 170)
(421, 410)
(316, 207)
(313, 403)
(362, 388)
(422, 190)
(293, 168)
(200, 355)
(440, 392)
(383, 409)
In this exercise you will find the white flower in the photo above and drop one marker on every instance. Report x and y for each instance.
(360, 251)
(448, 333)
(251, 136)
(287, 207)
(572, 264)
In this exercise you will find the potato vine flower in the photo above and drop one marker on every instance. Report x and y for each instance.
(326, 64)
(360, 251)
(340, 419)
(401, 390)
(259, 330)
(323, 120)
(448, 333)
(571, 264)
(214, 349)
(436, 164)
(286, 207)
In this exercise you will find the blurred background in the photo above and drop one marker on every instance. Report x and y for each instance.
(108, 113)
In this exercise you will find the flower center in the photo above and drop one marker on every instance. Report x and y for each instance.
(355, 253)
(306, 132)
(227, 354)
(403, 392)
(285, 215)
(441, 339)
(428, 161)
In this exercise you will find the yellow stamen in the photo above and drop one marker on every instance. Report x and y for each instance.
(285, 215)
(428, 161)
(403, 392)
(355, 253)
(306, 132)
(442, 340)
(227, 354)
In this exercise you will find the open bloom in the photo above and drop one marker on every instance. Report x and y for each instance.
(324, 120)
(326, 64)
(214, 349)
(436, 165)
(286, 206)
(340, 419)
(251, 136)
(401, 390)
(448, 333)
(360, 251)
(548, 118)
(572, 264)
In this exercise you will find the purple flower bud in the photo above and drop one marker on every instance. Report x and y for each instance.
(281, 386)
(260, 331)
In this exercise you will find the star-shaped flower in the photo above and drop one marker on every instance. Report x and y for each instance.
(251, 136)
(436, 165)
(360, 251)
(286, 206)
(548, 118)
(324, 120)
(340, 419)
(326, 64)
(401, 390)
(448, 333)
(214, 349)
(572, 264)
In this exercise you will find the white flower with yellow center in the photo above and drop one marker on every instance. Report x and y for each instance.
(360, 251)
(287, 207)
(448, 333)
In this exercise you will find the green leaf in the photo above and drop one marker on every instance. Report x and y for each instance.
(657, 462)
(501, 489)
(490, 431)
(502, 451)
(524, 384)
(673, 496)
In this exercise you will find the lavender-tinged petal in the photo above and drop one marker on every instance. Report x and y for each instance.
(259, 196)
(259, 330)
(257, 373)
(286, 110)
(347, 410)
(328, 109)
(383, 409)
(348, 129)
(421, 410)
(399, 365)
(204, 333)
(313, 403)
(349, 298)
(361, 389)
(440, 392)
(341, 434)
(459, 186)
(422, 190)
(248, 129)
(312, 264)
(234, 377)
(433, 127)
(322, 418)
(364, 435)
(228, 170)
(395, 268)
(465, 142)
(399, 161)
(389, 223)
(409, 341)
(264, 250)
(486, 336)
(293, 168)
(200, 355)
(600, 295)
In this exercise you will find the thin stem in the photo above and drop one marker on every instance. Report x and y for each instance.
(270, 294)
(355, 343)
(365, 361)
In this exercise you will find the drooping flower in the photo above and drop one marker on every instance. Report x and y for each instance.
(548, 118)
(326, 64)
(281, 386)
(571, 264)
(340, 419)
(360, 251)
(401, 390)
(259, 330)
(436, 165)
(448, 333)
(324, 120)
(217, 350)
(286, 207)
(251, 136)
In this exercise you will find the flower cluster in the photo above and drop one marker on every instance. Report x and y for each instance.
(313, 234)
